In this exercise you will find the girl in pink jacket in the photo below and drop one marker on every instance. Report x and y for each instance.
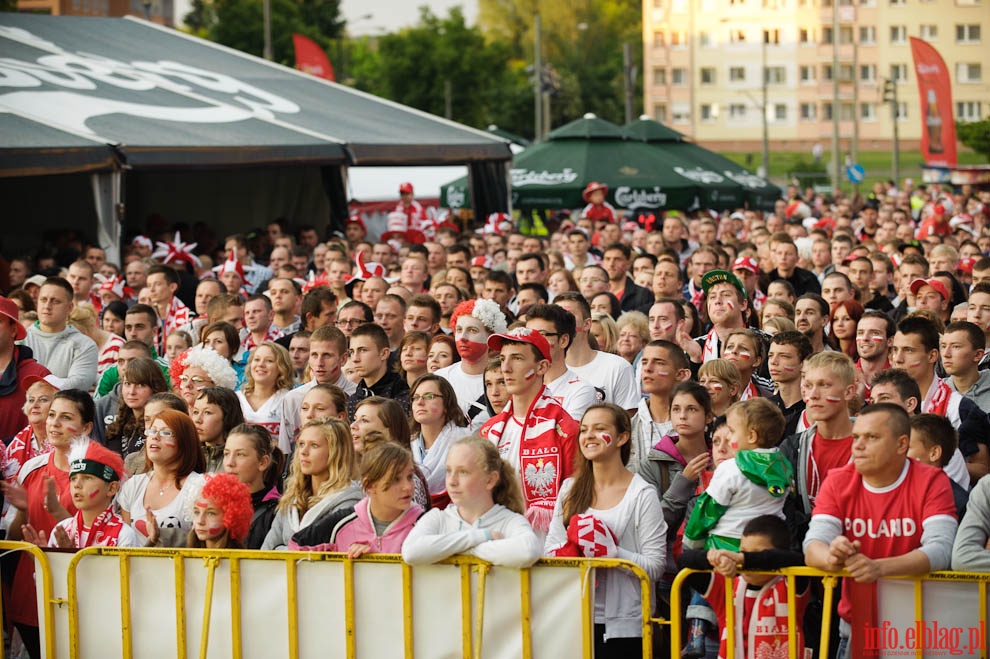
(379, 522)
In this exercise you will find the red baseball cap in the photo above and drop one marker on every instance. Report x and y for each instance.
(50, 379)
(9, 309)
(747, 263)
(966, 265)
(355, 219)
(521, 335)
(934, 283)
(405, 187)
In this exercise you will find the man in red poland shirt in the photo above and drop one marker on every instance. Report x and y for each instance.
(881, 515)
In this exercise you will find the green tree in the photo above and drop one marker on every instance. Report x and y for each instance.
(416, 65)
(582, 41)
(238, 24)
(975, 135)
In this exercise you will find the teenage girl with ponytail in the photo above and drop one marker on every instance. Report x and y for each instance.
(250, 454)
(484, 518)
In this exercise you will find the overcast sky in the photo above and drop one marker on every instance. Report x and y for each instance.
(390, 15)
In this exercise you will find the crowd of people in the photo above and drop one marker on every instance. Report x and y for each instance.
(727, 391)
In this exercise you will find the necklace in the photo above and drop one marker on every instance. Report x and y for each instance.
(163, 487)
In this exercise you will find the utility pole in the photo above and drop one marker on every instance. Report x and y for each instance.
(854, 147)
(890, 96)
(835, 95)
(627, 67)
(266, 10)
(537, 82)
(766, 108)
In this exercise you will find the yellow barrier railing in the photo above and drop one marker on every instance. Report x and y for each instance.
(829, 582)
(47, 607)
(471, 630)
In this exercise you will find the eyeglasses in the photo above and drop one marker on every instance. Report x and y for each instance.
(349, 322)
(164, 434)
(197, 381)
(425, 397)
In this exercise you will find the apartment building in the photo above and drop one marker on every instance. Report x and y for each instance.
(709, 64)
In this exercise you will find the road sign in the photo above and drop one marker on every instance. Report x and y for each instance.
(855, 173)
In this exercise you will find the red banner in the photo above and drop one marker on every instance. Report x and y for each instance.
(938, 129)
(310, 58)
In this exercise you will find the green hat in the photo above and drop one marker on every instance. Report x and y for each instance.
(713, 277)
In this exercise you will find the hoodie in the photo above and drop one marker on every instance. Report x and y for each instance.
(391, 385)
(356, 527)
(70, 355)
(13, 392)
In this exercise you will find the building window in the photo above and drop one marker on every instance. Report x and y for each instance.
(902, 110)
(806, 73)
(678, 39)
(847, 112)
(737, 111)
(868, 111)
(659, 76)
(968, 33)
(826, 72)
(681, 113)
(659, 40)
(775, 75)
(709, 112)
(867, 35)
(677, 76)
(898, 34)
(737, 36)
(846, 73)
(826, 111)
(826, 35)
(898, 72)
(968, 111)
(868, 72)
(737, 74)
(969, 72)
(845, 34)
(809, 112)
(929, 32)
(867, 3)
(708, 75)
(660, 113)
(771, 37)
(780, 112)
(898, 3)
(705, 39)
(804, 36)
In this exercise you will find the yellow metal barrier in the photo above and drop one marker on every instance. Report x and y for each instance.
(48, 603)
(829, 581)
(471, 570)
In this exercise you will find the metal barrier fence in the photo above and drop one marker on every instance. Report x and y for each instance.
(467, 617)
(100, 580)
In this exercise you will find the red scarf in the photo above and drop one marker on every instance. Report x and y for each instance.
(546, 453)
(750, 392)
(248, 344)
(711, 346)
(103, 533)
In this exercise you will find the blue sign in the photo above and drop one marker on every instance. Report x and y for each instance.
(856, 173)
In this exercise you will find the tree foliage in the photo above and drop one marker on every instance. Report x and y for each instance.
(415, 66)
(582, 41)
(239, 24)
(975, 135)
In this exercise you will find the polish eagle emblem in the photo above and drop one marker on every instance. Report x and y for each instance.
(540, 477)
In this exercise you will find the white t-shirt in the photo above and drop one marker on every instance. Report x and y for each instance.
(269, 415)
(177, 514)
(615, 376)
(573, 393)
(744, 498)
(468, 388)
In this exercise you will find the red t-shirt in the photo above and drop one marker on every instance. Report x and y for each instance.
(887, 522)
(23, 605)
(824, 456)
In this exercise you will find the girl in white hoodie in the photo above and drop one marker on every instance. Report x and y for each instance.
(484, 518)
(606, 511)
(322, 478)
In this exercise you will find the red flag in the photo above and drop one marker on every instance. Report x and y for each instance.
(310, 58)
(938, 129)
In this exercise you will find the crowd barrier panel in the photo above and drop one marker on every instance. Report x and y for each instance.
(151, 603)
(945, 611)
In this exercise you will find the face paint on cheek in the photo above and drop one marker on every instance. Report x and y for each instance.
(914, 365)
(471, 351)
(668, 327)
(877, 339)
(607, 438)
(94, 494)
(663, 374)
(716, 386)
(731, 305)
(745, 355)
(788, 369)
(215, 530)
(529, 375)
(832, 399)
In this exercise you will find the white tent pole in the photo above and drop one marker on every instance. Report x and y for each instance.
(107, 191)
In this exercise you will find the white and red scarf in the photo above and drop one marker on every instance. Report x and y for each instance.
(750, 392)
(24, 446)
(177, 316)
(711, 346)
(248, 344)
(938, 403)
(103, 533)
(546, 451)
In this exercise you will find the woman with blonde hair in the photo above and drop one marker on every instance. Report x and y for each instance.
(269, 377)
(83, 318)
(484, 518)
(605, 332)
(321, 479)
(633, 333)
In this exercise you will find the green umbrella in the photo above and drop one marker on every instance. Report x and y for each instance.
(710, 168)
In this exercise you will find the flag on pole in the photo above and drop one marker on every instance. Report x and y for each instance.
(938, 129)
(310, 58)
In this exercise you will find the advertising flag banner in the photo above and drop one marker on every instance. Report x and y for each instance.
(310, 58)
(938, 130)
